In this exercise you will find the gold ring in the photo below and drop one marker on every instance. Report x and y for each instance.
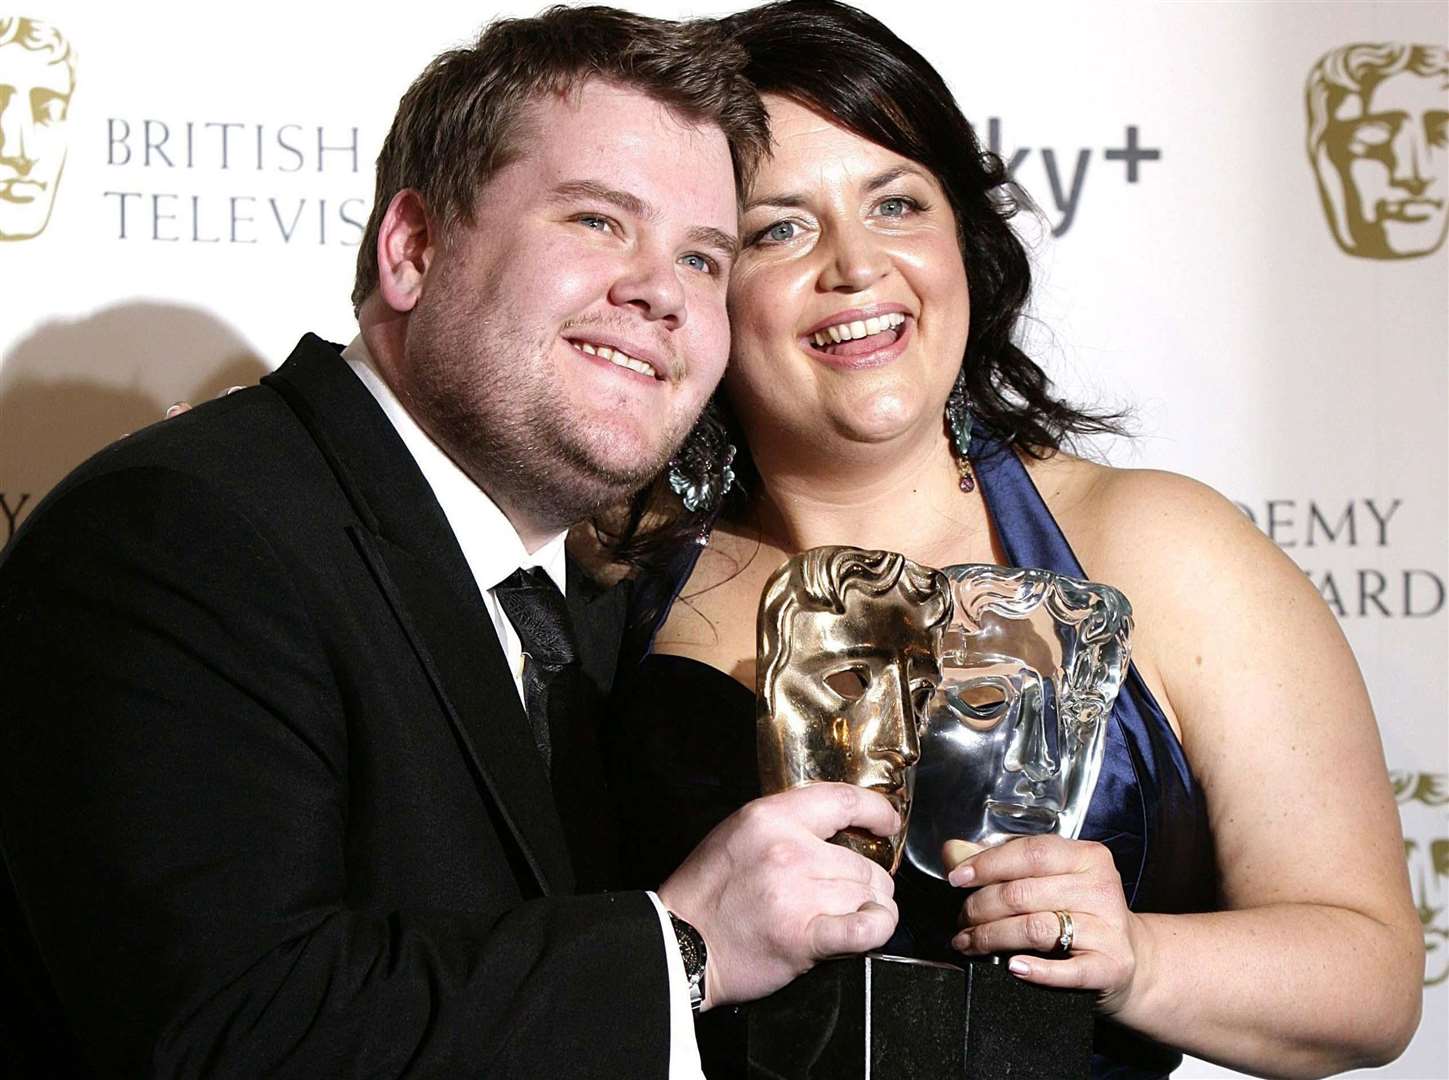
(1068, 931)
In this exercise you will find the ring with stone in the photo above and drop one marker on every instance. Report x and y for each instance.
(1068, 931)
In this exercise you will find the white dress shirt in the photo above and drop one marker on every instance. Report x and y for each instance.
(493, 550)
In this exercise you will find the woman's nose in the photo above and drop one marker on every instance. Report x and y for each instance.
(855, 260)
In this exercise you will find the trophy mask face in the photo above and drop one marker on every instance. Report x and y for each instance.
(36, 81)
(1424, 810)
(848, 660)
(1014, 736)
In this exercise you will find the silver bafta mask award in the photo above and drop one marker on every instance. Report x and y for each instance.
(1030, 667)
(848, 648)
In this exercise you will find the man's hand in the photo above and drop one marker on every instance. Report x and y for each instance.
(771, 896)
(179, 407)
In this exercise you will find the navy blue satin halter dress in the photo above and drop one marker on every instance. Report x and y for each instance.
(683, 759)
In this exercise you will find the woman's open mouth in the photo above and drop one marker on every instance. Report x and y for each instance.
(855, 342)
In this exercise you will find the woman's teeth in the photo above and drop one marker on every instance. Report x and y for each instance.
(855, 329)
(620, 359)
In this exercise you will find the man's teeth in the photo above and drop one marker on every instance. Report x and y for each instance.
(859, 328)
(614, 356)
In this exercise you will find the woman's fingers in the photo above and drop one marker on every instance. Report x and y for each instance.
(1039, 931)
(1028, 856)
(1065, 892)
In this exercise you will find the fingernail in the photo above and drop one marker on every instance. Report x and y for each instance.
(962, 875)
(1018, 966)
(173, 410)
(962, 941)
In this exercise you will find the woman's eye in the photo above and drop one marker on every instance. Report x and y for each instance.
(782, 232)
(896, 207)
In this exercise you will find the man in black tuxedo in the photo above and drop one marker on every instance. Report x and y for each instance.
(277, 780)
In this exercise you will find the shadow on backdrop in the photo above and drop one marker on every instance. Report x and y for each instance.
(72, 387)
(66, 391)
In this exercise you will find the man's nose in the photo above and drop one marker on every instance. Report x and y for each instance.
(1408, 167)
(15, 134)
(649, 283)
(855, 259)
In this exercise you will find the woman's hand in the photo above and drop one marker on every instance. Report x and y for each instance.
(1022, 884)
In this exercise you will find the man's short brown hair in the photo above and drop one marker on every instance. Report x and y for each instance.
(463, 117)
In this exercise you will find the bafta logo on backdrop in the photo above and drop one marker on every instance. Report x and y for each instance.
(1424, 809)
(37, 78)
(1378, 139)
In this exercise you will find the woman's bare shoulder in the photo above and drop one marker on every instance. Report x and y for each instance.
(1138, 522)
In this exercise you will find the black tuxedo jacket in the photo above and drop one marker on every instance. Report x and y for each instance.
(269, 803)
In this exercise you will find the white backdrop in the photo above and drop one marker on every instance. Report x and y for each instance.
(198, 229)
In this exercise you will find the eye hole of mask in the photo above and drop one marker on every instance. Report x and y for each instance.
(980, 704)
(983, 697)
(849, 683)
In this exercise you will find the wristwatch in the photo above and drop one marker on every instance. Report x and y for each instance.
(694, 954)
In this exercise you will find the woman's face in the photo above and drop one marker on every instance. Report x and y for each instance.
(848, 306)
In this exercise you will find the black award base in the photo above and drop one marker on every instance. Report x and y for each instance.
(889, 1018)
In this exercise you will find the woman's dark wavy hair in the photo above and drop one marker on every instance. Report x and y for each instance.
(847, 66)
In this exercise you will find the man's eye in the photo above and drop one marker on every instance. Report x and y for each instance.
(595, 222)
(702, 263)
(849, 683)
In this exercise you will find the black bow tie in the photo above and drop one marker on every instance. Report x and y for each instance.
(541, 618)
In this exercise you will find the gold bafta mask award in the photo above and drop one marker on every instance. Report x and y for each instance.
(848, 660)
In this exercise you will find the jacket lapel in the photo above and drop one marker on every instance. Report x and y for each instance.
(408, 547)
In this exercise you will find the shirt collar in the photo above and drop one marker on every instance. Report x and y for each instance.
(490, 543)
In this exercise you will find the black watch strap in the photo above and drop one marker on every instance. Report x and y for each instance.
(694, 954)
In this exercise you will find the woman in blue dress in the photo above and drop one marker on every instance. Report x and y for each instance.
(1239, 890)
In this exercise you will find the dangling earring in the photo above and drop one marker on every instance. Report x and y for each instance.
(958, 428)
(702, 473)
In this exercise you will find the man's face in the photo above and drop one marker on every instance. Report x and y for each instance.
(1389, 148)
(1013, 737)
(565, 341)
(848, 704)
(34, 96)
(1426, 845)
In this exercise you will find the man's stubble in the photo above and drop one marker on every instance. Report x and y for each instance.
(486, 390)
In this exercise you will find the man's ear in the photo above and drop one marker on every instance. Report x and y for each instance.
(405, 249)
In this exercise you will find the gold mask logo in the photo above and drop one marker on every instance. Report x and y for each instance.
(1378, 125)
(1423, 799)
(37, 78)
